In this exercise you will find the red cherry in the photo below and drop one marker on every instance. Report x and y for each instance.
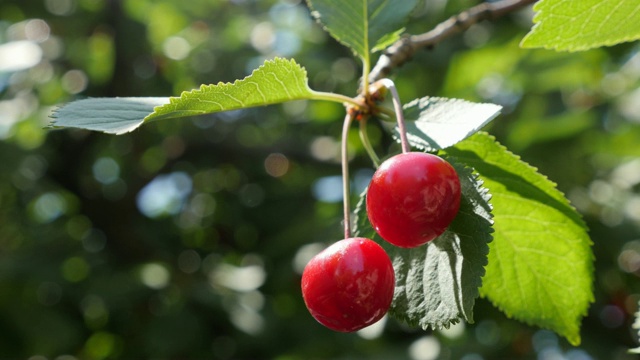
(349, 285)
(412, 198)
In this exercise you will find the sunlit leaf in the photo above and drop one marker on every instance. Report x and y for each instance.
(276, 81)
(436, 123)
(579, 25)
(437, 283)
(540, 267)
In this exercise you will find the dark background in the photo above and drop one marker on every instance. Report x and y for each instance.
(186, 238)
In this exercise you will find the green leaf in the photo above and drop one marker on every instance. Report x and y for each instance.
(362, 24)
(109, 115)
(579, 25)
(540, 262)
(437, 283)
(276, 81)
(436, 123)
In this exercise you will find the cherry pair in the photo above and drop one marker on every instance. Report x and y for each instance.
(411, 200)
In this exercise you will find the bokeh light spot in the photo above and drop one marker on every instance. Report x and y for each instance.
(19, 55)
(304, 255)
(176, 48)
(263, 37)
(247, 320)
(488, 333)
(75, 269)
(244, 278)
(94, 241)
(154, 275)
(189, 261)
(454, 331)
(94, 311)
(74, 81)
(374, 330)
(287, 43)
(328, 189)
(60, 7)
(544, 339)
(629, 257)
(325, 148)
(425, 348)
(48, 207)
(612, 316)
(37, 30)
(344, 70)
(202, 205)
(251, 195)
(164, 195)
(276, 165)
(100, 345)
(577, 354)
(106, 170)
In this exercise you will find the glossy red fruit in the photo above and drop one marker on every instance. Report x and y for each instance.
(412, 198)
(349, 285)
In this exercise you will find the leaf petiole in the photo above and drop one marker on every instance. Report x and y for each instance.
(343, 99)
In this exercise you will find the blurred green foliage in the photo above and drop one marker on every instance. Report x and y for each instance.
(186, 239)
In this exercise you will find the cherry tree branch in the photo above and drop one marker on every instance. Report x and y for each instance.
(402, 50)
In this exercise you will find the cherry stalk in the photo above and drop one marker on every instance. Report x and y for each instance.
(346, 201)
(412, 197)
(397, 106)
(366, 143)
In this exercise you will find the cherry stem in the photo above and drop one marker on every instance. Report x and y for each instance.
(397, 106)
(364, 137)
(345, 175)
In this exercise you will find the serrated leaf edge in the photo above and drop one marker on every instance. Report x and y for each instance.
(185, 95)
(579, 220)
(537, 24)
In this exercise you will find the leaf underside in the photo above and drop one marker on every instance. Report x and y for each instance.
(276, 81)
(580, 25)
(435, 123)
(540, 267)
(110, 115)
(437, 283)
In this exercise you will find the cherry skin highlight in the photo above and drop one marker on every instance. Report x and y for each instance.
(349, 285)
(412, 198)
